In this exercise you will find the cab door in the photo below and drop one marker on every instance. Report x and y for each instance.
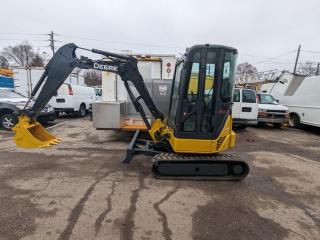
(249, 106)
(236, 107)
(199, 94)
(191, 103)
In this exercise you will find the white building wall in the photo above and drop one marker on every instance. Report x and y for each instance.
(113, 88)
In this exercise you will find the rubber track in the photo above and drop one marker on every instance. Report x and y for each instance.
(226, 161)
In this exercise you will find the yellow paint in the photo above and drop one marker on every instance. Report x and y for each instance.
(193, 84)
(142, 127)
(226, 140)
(32, 134)
(209, 82)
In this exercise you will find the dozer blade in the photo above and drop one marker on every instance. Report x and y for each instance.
(224, 167)
(32, 135)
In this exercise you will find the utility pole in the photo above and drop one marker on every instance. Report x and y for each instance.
(318, 66)
(51, 35)
(297, 59)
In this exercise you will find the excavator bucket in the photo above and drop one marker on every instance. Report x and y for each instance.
(32, 135)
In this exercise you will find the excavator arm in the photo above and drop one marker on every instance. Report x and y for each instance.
(65, 61)
(29, 133)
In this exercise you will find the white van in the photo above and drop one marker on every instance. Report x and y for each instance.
(73, 99)
(300, 94)
(245, 107)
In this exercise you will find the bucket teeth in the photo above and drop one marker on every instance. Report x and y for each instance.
(44, 146)
(53, 142)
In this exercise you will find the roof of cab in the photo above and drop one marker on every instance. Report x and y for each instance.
(211, 46)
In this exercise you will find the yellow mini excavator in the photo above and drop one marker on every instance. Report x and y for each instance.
(185, 145)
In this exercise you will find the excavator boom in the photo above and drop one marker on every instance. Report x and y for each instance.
(30, 134)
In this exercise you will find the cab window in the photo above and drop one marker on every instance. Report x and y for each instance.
(210, 72)
(236, 95)
(175, 93)
(208, 92)
(227, 77)
(192, 94)
(190, 113)
(248, 96)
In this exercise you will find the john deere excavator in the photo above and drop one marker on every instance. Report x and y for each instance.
(185, 145)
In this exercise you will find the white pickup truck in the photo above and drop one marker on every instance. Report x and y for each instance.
(270, 111)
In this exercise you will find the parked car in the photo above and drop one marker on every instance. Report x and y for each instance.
(11, 102)
(73, 99)
(270, 111)
(245, 107)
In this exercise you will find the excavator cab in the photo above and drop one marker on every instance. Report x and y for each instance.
(202, 91)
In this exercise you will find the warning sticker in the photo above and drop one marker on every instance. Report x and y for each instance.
(163, 90)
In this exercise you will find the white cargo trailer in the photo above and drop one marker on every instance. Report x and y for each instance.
(300, 94)
(26, 78)
(157, 72)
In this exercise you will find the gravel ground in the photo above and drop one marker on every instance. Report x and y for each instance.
(79, 190)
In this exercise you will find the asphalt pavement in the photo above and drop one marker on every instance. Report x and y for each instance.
(80, 190)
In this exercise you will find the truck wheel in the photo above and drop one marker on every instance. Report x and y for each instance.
(8, 121)
(82, 111)
(294, 120)
(277, 125)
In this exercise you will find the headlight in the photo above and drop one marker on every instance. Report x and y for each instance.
(47, 109)
(20, 106)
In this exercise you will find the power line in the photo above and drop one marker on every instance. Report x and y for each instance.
(278, 56)
(31, 34)
(16, 39)
(120, 42)
(275, 62)
(309, 51)
(261, 57)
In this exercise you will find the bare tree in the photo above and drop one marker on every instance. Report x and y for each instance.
(246, 68)
(308, 68)
(22, 54)
(3, 62)
(37, 61)
(245, 72)
(93, 78)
